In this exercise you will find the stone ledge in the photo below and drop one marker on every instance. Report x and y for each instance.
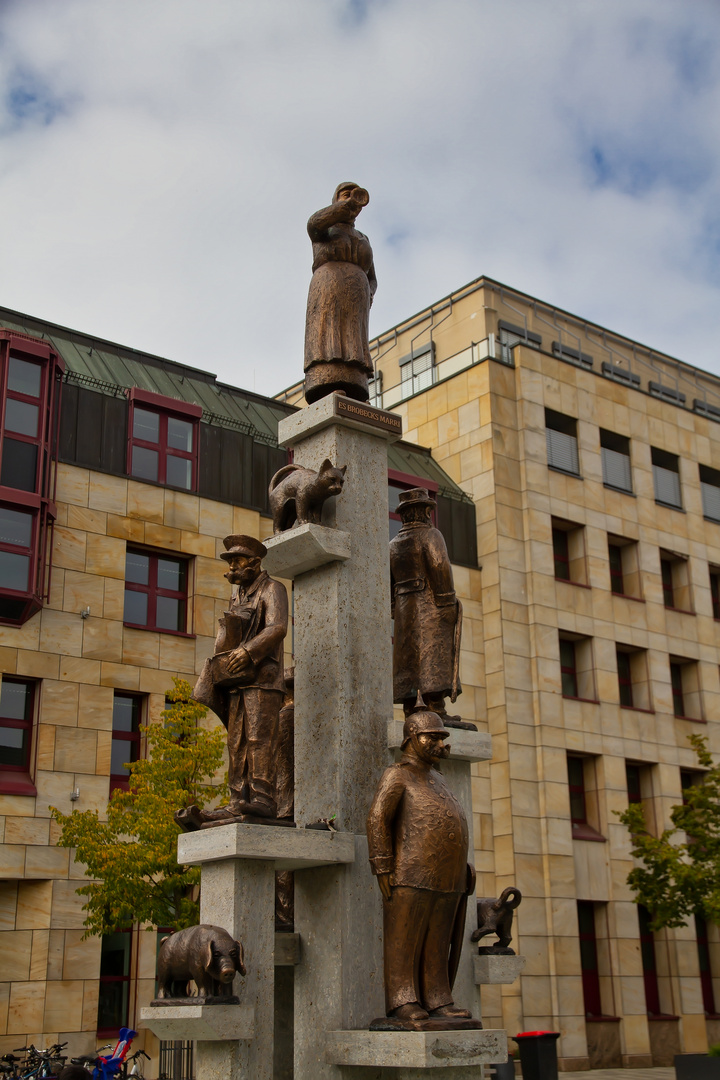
(305, 548)
(289, 849)
(343, 411)
(208, 1023)
(498, 969)
(464, 745)
(416, 1049)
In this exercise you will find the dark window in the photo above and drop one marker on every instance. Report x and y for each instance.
(715, 591)
(676, 679)
(615, 452)
(114, 982)
(163, 440)
(617, 582)
(703, 948)
(624, 678)
(589, 958)
(668, 587)
(632, 775)
(710, 488)
(23, 407)
(568, 669)
(562, 444)
(155, 591)
(17, 535)
(647, 951)
(666, 477)
(125, 738)
(16, 722)
(561, 554)
(576, 782)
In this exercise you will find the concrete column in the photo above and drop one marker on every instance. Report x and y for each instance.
(239, 895)
(343, 700)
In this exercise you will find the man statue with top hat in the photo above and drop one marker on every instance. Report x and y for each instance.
(427, 613)
(243, 682)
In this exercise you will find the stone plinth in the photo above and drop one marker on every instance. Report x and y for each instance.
(211, 1023)
(239, 895)
(498, 969)
(304, 548)
(416, 1049)
(287, 849)
(464, 745)
(343, 698)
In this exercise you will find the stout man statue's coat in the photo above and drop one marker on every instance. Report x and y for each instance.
(418, 847)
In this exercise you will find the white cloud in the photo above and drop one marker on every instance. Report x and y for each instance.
(156, 189)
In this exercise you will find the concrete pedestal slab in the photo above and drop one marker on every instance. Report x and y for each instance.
(416, 1049)
(498, 969)
(211, 1023)
(304, 548)
(287, 849)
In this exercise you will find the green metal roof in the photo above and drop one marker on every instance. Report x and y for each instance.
(418, 461)
(111, 368)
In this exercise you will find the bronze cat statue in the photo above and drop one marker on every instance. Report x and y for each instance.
(297, 494)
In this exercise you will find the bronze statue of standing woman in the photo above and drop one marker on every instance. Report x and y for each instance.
(337, 354)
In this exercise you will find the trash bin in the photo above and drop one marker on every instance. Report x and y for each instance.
(503, 1070)
(538, 1054)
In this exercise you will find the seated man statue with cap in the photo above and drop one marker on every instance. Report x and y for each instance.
(418, 847)
(243, 682)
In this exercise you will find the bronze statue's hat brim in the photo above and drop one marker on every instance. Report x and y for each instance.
(239, 544)
(415, 497)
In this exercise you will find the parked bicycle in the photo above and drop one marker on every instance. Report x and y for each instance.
(36, 1065)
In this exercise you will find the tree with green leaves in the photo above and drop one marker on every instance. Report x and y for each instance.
(132, 856)
(679, 872)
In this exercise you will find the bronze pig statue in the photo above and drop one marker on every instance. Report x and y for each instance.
(206, 954)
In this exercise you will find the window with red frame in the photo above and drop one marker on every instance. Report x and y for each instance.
(155, 591)
(568, 669)
(576, 782)
(676, 681)
(17, 699)
(114, 996)
(125, 745)
(647, 952)
(706, 979)
(589, 958)
(715, 591)
(163, 440)
(561, 554)
(625, 683)
(398, 482)
(30, 382)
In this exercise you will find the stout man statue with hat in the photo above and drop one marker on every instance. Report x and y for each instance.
(418, 847)
(427, 613)
(243, 682)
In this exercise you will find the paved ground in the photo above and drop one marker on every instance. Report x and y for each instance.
(621, 1074)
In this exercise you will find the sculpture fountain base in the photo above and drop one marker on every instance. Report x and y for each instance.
(192, 819)
(432, 1023)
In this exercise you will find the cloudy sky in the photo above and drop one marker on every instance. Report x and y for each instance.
(159, 160)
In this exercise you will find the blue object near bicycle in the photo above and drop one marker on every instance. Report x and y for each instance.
(106, 1067)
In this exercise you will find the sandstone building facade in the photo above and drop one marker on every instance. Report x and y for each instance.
(594, 465)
